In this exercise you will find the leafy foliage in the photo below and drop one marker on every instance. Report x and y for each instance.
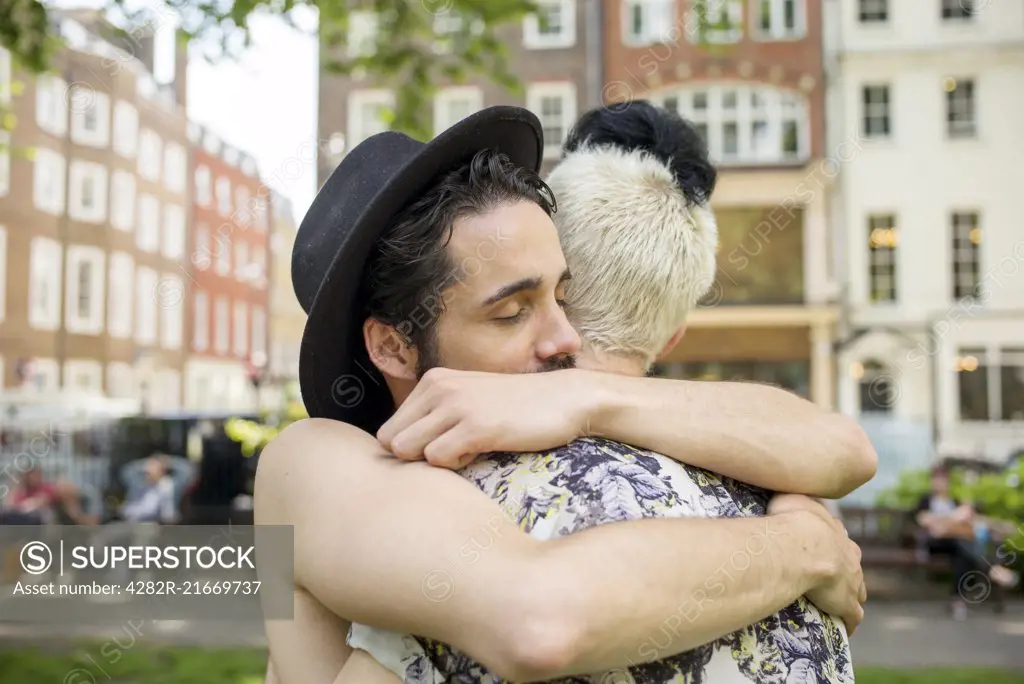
(996, 495)
(254, 436)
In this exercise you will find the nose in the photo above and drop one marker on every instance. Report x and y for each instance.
(557, 337)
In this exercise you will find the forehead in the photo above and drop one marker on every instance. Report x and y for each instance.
(510, 242)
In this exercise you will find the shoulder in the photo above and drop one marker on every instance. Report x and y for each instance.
(305, 455)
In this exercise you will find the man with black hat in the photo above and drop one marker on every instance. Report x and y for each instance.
(524, 609)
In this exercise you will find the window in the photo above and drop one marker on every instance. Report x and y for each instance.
(5, 77)
(122, 200)
(451, 32)
(876, 111)
(724, 22)
(966, 257)
(452, 105)
(747, 124)
(990, 384)
(44, 375)
(5, 161)
(647, 21)
(873, 11)
(171, 312)
(1011, 384)
(367, 112)
(222, 249)
(44, 284)
(147, 233)
(145, 305)
(781, 19)
(241, 259)
(876, 388)
(202, 256)
(126, 129)
(362, 34)
(87, 200)
(173, 246)
(201, 322)
(48, 181)
(960, 116)
(204, 190)
(959, 10)
(260, 212)
(119, 295)
(224, 196)
(85, 271)
(83, 376)
(221, 324)
(554, 26)
(3, 285)
(120, 381)
(882, 240)
(241, 331)
(259, 265)
(90, 120)
(150, 155)
(259, 330)
(175, 168)
(555, 106)
(51, 110)
(243, 207)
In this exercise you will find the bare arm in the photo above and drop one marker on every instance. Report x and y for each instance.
(396, 546)
(755, 433)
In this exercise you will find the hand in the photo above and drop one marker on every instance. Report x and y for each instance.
(452, 416)
(842, 592)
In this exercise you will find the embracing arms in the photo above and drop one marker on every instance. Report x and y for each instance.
(755, 433)
(419, 550)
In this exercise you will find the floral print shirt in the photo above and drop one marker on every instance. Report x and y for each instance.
(594, 481)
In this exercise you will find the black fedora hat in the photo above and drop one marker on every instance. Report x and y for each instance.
(335, 240)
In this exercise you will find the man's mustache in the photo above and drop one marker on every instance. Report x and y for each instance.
(563, 362)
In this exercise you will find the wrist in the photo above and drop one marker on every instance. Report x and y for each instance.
(601, 403)
(810, 553)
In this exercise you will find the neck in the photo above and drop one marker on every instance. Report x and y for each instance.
(610, 362)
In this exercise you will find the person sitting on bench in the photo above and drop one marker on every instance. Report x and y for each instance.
(948, 528)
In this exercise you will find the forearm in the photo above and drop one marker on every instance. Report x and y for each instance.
(745, 570)
(755, 433)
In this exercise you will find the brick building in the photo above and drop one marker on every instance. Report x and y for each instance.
(753, 81)
(93, 222)
(557, 63)
(229, 288)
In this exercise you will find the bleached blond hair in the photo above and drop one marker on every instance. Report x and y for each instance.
(641, 252)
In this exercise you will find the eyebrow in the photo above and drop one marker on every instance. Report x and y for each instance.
(522, 285)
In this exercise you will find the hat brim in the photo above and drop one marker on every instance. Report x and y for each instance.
(336, 377)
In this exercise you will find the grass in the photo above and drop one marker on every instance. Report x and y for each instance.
(122, 662)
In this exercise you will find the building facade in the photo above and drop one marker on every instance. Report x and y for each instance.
(750, 77)
(928, 94)
(557, 62)
(93, 204)
(287, 319)
(230, 278)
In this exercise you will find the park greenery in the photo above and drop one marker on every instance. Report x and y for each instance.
(131, 662)
(996, 495)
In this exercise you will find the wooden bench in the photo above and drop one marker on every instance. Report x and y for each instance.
(888, 538)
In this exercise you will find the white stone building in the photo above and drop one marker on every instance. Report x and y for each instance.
(926, 99)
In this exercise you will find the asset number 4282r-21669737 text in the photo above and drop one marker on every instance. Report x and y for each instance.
(192, 588)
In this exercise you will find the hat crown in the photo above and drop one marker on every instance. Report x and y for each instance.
(353, 185)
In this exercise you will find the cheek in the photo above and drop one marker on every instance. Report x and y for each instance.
(483, 347)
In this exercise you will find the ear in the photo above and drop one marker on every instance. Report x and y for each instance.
(388, 351)
(673, 341)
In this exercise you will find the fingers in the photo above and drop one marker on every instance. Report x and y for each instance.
(454, 449)
(411, 443)
(412, 410)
